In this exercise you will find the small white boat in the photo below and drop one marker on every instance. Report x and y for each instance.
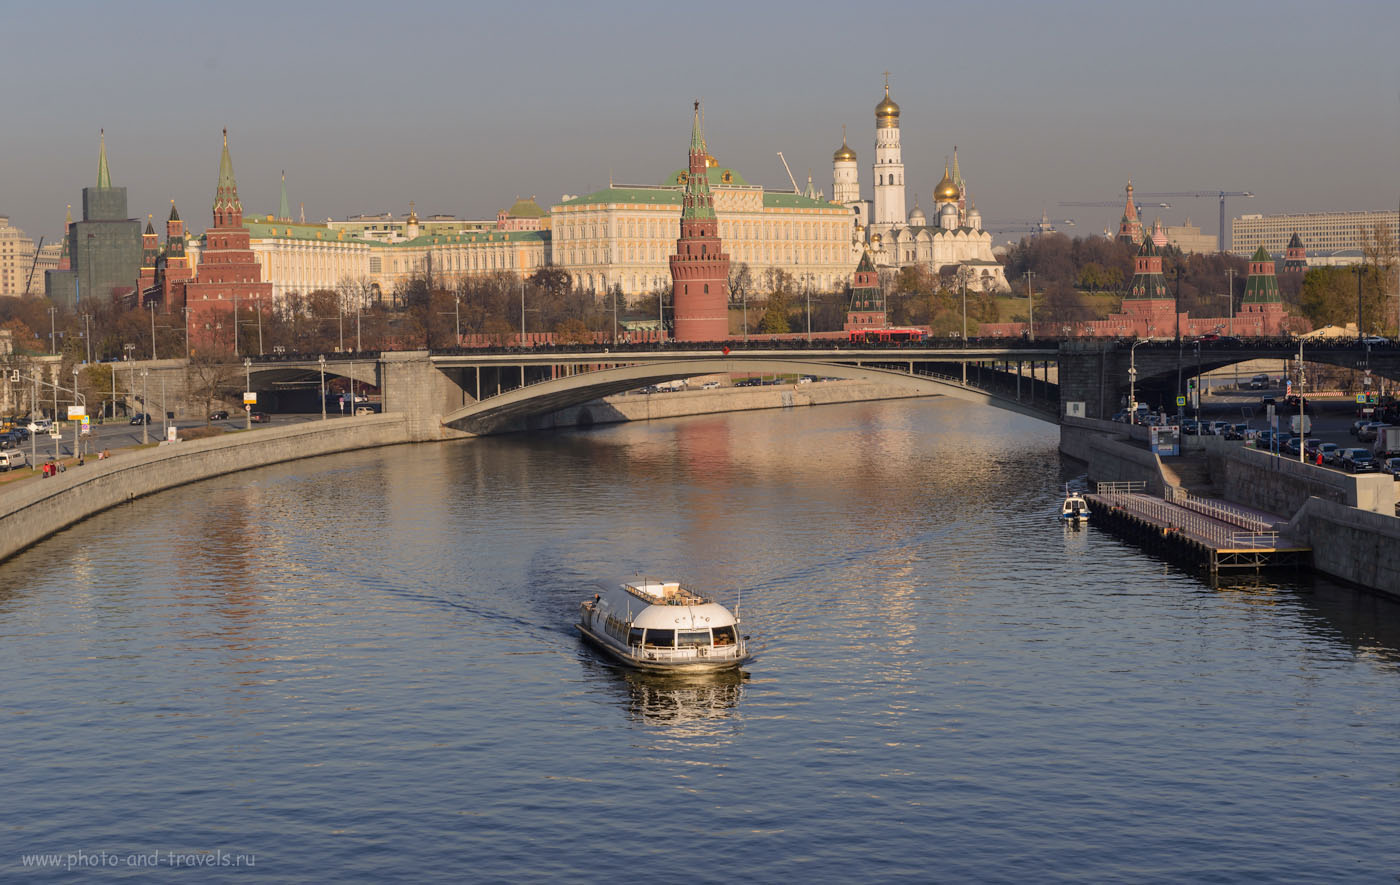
(662, 627)
(1075, 509)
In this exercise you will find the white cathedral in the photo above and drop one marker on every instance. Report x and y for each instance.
(953, 239)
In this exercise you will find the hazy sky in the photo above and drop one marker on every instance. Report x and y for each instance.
(462, 107)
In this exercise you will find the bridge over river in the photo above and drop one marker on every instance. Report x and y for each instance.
(485, 391)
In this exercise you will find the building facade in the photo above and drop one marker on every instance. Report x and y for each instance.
(16, 259)
(623, 235)
(1323, 232)
(104, 248)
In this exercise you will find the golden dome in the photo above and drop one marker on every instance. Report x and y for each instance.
(946, 192)
(843, 153)
(887, 112)
(710, 161)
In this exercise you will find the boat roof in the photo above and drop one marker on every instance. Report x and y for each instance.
(657, 591)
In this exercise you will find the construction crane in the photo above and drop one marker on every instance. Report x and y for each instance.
(30, 281)
(1109, 203)
(1220, 195)
(789, 172)
(1026, 225)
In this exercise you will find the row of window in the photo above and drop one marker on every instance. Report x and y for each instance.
(748, 230)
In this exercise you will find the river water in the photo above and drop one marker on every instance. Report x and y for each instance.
(363, 668)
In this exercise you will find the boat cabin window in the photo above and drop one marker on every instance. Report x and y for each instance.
(661, 639)
(686, 638)
(724, 635)
(634, 636)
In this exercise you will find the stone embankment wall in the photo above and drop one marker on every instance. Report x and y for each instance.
(1279, 485)
(33, 510)
(1355, 545)
(1104, 446)
(646, 407)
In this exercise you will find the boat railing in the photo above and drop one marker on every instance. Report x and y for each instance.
(687, 653)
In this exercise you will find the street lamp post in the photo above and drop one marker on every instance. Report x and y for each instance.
(76, 437)
(53, 331)
(962, 273)
(1302, 422)
(322, 360)
(1132, 380)
(522, 314)
(1030, 307)
(248, 385)
(145, 410)
(164, 411)
(153, 330)
(1360, 334)
(809, 310)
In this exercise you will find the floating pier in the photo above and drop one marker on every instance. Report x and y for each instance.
(1207, 533)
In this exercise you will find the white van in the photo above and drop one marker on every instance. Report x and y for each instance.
(12, 458)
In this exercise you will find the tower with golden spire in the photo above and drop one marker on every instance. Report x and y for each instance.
(699, 266)
(888, 168)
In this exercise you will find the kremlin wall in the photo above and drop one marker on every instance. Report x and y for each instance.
(681, 235)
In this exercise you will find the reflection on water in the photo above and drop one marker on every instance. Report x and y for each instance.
(319, 660)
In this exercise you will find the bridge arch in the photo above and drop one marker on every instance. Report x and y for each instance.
(512, 410)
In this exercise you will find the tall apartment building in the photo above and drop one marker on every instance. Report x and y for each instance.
(1321, 232)
(16, 258)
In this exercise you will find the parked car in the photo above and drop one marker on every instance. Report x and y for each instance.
(1326, 450)
(709, 385)
(1265, 440)
(219, 415)
(1391, 466)
(260, 417)
(141, 418)
(1333, 456)
(1360, 461)
(1293, 445)
(1218, 428)
(12, 458)
(1191, 427)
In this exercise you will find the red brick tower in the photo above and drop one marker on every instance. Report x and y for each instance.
(173, 267)
(150, 251)
(1130, 228)
(867, 300)
(700, 268)
(228, 272)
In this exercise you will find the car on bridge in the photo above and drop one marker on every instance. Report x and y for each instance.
(1259, 382)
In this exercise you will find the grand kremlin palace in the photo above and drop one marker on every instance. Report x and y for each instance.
(305, 257)
(624, 235)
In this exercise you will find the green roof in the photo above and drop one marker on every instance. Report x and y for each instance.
(673, 196)
(714, 174)
(1262, 254)
(526, 209)
(321, 233)
(490, 236)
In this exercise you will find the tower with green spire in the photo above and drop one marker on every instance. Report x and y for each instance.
(867, 298)
(229, 278)
(104, 249)
(699, 267)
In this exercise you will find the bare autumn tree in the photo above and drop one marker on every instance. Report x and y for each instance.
(1380, 252)
(212, 378)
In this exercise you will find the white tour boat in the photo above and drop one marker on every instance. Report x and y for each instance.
(660, 626)
(1075, 508)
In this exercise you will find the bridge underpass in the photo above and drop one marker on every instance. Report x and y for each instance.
(515, 409)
